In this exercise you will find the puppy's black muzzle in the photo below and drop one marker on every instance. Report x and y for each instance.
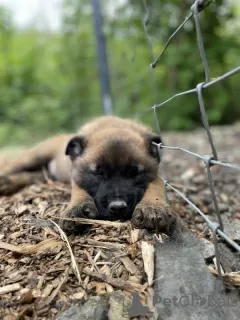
(116, 198)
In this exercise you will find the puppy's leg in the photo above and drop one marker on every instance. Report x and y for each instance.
(81, 206)
(24, 169)
(153, 212)
(36, 157)
(14, 182)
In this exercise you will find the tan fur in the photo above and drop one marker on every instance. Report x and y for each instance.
(40, 155)
(98, 132)
(101, 135)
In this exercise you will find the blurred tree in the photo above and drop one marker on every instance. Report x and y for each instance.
(78, 66)
(180, 67)
(49, 80)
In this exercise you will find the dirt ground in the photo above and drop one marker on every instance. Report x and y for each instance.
(38, 274)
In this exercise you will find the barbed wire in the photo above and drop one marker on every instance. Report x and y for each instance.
(209, 160)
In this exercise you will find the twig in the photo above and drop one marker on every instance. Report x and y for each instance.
(90, 259)
(55, 292)
(105, 223)
(74, 264)
(107, 245)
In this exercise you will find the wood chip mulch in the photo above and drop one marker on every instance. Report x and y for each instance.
(42, 273)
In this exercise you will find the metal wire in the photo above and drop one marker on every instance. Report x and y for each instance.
(209, 160)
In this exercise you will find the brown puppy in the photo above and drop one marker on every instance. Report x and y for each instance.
(112, 164)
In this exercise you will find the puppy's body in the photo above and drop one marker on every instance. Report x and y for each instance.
(112, 164)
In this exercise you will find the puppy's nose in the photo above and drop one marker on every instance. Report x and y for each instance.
(117, 206)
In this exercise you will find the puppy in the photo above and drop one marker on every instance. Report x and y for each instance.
(112, 165)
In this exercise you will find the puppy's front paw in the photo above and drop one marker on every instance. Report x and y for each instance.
(84, 209)
(157, 217)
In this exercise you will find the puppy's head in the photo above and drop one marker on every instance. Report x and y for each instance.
(114, 167)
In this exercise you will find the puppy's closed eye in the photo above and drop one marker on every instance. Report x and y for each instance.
(134, 170)
(131, 171)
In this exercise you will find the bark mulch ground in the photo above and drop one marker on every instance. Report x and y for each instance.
(43, 273)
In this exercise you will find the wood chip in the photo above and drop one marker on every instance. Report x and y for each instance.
(232, 278)
(10, 288)
(55, 292)
(31, 248)
(148, 260)
(130, 266)
(47, 290)
(134, 237)
(118, 283)
(78, 295)
(105, 270)
(135, 279)
(9, 317)
(106, 245)
(109, 288)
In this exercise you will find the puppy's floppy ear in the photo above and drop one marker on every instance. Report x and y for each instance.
(153, 148)
(75, 147)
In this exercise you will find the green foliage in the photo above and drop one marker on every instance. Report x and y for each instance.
(49, 81)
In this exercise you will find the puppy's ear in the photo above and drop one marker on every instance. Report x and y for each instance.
(75, 147)
(153, 149)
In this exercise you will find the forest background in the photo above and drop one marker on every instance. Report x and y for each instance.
(49, 78)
